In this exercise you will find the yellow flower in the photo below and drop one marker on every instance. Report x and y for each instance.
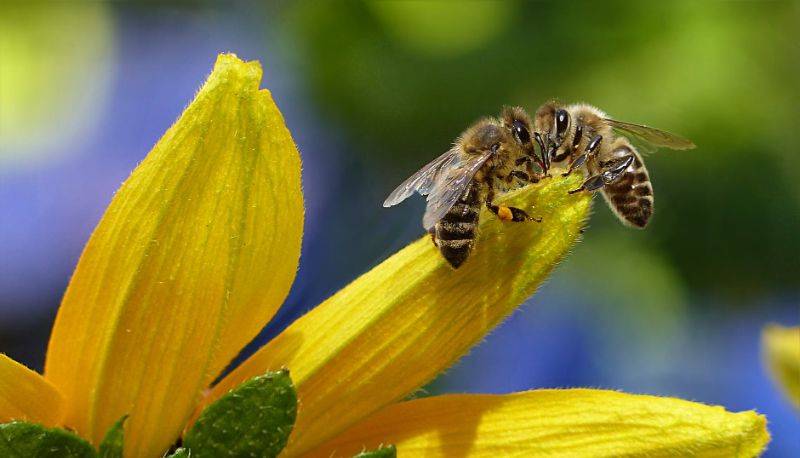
(197, 251)
(781, 347)
(573, 423)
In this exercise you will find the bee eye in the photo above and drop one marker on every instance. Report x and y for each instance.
(562, 122)
(521, 132)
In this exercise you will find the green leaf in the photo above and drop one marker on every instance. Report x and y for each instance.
(254, 419)
(111, 447)
(382, 452)
(28, 440)
(181, 453)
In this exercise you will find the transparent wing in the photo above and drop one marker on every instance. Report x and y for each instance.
(651, 136)
(450, 186)
(422, 180)
(644, 147)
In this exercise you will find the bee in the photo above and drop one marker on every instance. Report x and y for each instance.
(484, 160)
(584, 136)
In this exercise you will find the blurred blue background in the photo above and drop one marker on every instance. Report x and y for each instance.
(371, 91)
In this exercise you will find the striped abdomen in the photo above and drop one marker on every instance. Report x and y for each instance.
(455, 233)
(631, 195)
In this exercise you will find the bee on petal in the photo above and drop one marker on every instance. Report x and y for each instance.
(581, 135)
(484, 160)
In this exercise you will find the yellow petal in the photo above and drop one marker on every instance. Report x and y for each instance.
(574, 423)
(26, 395)
(781, 346)
(402, 323)
(195, 253)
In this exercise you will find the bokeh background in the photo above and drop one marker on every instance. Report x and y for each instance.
(371, 91)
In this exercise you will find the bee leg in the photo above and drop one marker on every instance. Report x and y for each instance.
(559, 157)
(532, 176)
(535, 176)
(616, 169)
(502, 214)
(554, 154)
(592, 183)
(593, 145)
(519, 175)
(512, 214)
(575, 164)
(613, 171)
(528, 160)
(522, 176)
(518, 215)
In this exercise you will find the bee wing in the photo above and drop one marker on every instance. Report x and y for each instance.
(450, 186)
(651, 136)
(422, 180)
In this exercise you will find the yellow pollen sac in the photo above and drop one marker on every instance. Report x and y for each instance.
(504, 213)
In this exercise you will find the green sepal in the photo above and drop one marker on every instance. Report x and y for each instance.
(388, 451)
(254, 419)
(28, 440)
(180, 453)
(111, 447)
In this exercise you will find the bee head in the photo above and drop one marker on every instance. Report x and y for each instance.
(545, 118)
(518, 123)
(484, 136)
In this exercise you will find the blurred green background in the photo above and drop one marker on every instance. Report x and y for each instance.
(371, 91)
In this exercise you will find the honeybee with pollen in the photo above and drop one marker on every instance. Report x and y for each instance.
(484, 160)
(581, 135)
